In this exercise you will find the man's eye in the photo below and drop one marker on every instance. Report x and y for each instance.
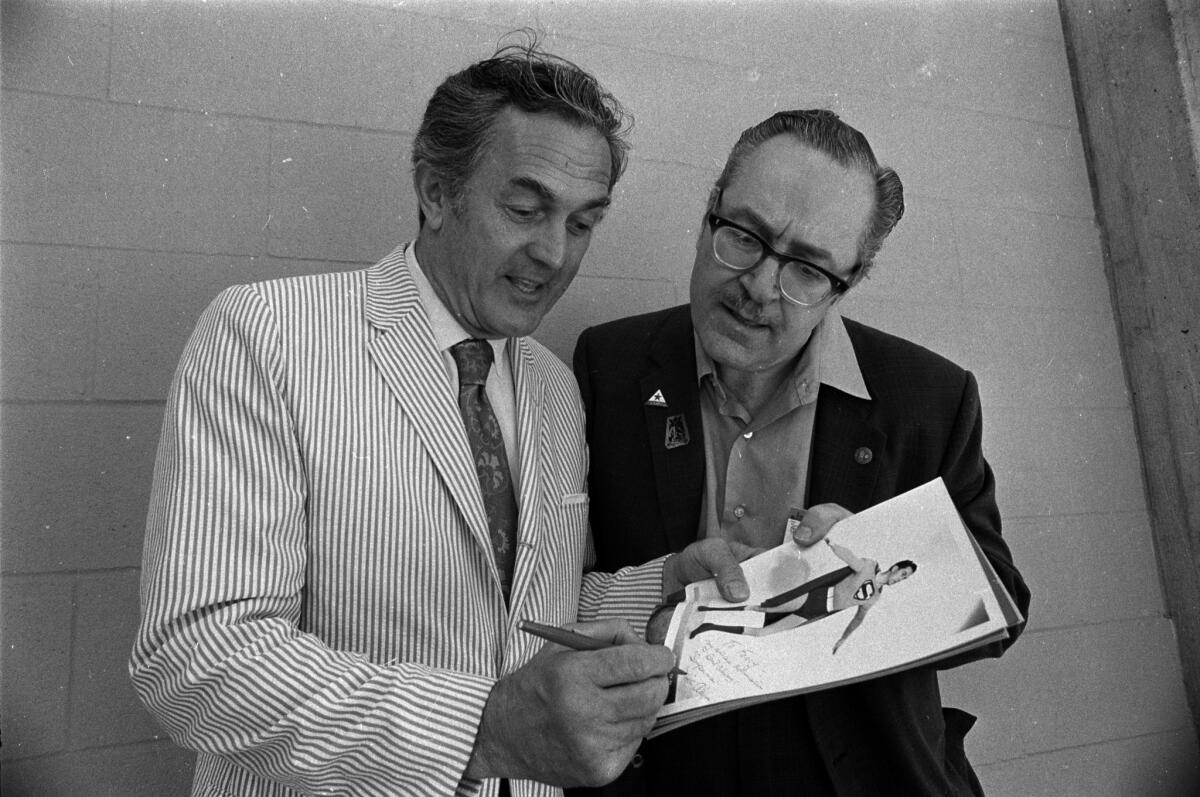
(522, 213)
(582, 226)
(742, 240)
(806, 271)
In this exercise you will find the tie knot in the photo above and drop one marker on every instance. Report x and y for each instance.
(473, 358)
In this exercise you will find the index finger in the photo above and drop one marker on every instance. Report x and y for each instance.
(627, 664)
(614, 632)
(742, 551)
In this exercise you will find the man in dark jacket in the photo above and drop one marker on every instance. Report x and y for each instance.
(728, 416)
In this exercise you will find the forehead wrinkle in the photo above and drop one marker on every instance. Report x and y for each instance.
(571, 158)
(547, 194)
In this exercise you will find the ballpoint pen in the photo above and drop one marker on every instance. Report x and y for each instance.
(571, 639)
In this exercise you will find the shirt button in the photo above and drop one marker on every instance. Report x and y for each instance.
(863, 455)
(637, 760)
(739, 512)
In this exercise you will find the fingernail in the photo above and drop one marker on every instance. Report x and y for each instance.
(804, 533)
(739, 591)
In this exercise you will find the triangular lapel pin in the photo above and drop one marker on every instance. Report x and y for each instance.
(657, 399)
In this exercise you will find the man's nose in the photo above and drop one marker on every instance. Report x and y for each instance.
(762, 281)
(549, 245)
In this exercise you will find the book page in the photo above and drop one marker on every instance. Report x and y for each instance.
(899, 585)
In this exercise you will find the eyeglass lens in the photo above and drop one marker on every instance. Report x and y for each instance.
(798, 280)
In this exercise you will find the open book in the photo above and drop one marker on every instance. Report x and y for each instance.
(896, 586)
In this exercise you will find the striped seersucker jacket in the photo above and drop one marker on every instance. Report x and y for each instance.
(320, 609)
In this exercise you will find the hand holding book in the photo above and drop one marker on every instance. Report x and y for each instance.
(795, 633)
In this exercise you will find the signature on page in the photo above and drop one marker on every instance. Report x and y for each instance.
(720, 666)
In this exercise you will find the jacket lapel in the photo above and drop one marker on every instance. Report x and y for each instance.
(532, 450)
(847, 452)
(404, 351)
(671, 407)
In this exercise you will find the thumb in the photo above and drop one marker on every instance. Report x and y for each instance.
(817, 521)
(710, 558)
(722, 561)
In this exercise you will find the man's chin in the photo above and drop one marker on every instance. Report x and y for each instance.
(729, 347)
(517, 324)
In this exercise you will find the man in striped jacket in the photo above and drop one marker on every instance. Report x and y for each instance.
(366, 479)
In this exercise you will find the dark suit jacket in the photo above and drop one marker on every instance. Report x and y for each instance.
(885, 736)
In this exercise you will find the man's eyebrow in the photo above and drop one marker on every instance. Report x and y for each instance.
(546, 195)
(801, 249)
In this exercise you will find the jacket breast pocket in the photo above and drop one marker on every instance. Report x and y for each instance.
(568, 516)
(563, 555)
(573, 499)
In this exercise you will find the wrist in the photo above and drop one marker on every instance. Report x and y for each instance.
(671, 583)
(659, 623)
(488, 758)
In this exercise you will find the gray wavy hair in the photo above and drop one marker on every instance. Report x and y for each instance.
(458, 125)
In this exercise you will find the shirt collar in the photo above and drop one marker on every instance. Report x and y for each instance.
(829, 358)
(838, 363)
(446, 329)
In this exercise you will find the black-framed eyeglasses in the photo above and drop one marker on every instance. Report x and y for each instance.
(800, 282)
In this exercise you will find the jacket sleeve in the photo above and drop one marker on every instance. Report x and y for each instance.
(631, 593)
(972, 486)
(219, 658)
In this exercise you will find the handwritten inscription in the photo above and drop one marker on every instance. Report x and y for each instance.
(721, 666)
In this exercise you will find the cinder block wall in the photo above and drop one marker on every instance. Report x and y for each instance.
(156, 152)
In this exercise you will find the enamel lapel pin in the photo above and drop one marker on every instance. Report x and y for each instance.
(677, 428)
(677, 432)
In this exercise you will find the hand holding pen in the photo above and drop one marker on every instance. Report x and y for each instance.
(572, 639)
(572, 718)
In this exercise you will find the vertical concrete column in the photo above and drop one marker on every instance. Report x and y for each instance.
(1135, 88)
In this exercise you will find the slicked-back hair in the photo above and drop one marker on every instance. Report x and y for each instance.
(459, 121)
(825, 132)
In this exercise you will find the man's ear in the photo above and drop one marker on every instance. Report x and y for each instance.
(857, 276)
(432, 196)
(838, 297)
(703, 228)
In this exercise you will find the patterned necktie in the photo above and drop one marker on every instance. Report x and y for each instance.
(474, 358)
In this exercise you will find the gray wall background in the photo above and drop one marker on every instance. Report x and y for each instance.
(154, 152)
